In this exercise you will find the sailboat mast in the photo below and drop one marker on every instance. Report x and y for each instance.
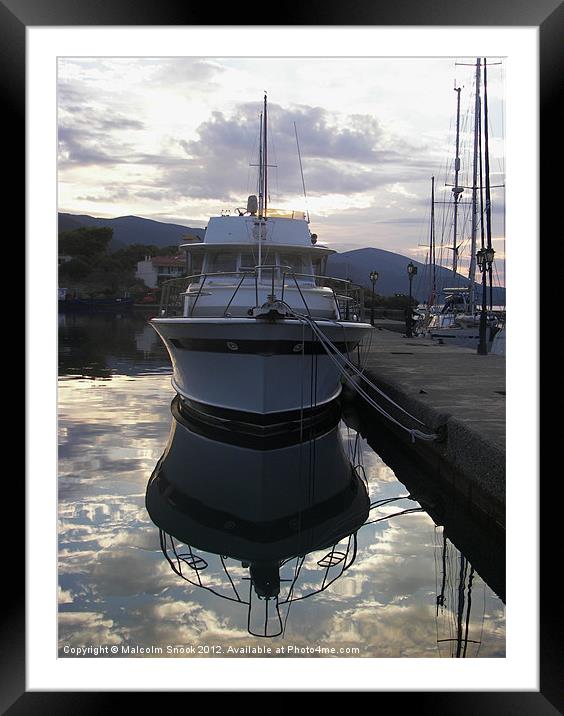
(457, 190)
(432, 255)
(261, 199)
(488, 187)
(261, 180)
(265, 155)
(472, 271)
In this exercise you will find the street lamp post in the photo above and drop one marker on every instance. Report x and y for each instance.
(411, 272)
(484, 259)
(373, 278)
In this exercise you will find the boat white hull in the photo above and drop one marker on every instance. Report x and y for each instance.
(498, 343)
(467, 337)
(255, 366)
(464, 337)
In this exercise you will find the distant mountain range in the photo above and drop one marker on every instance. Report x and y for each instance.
(392, 269)
(132, 229)
(355, 265)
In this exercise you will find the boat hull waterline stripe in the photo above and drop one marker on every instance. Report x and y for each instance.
(257, 347)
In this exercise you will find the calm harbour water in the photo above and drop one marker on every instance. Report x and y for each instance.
(406, 591)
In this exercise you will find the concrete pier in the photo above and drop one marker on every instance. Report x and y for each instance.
(454, 392)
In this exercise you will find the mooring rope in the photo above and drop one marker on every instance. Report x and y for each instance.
(343, 362)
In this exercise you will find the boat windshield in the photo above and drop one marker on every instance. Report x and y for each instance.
(247, 260)
(219, 262)
(295, 262)
(287, 262)
(454, 302)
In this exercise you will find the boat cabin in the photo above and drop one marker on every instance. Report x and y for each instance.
(232, 246)
(244, 259)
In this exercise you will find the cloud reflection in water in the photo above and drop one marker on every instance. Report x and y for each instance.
(116, 587)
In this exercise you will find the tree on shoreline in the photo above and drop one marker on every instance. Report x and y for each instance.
(92, 270)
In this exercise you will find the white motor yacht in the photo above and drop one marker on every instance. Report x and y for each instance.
(255, 327)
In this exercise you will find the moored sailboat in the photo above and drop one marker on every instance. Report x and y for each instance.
(460, 319)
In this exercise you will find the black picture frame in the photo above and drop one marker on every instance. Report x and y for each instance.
(548, 16)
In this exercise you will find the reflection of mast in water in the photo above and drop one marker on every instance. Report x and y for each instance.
(463, 600)
(290, 511)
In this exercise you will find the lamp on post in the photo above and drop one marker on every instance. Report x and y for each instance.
(411, 272)
(373, 278)
(484, 259)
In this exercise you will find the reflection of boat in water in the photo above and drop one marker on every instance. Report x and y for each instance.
(243, 330)
(293, 507)
(454, 604)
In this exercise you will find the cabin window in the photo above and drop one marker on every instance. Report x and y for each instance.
(221, 262)
(197, 261)
(319, 265)
(247, 260)
(296, 262)
(194, 264)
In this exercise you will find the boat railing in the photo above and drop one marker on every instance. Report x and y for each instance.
(348, 298)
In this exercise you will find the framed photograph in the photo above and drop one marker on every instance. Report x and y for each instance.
(200, 491)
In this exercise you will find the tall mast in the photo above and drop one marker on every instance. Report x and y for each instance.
(472, 271)
(487, 170)
(261, 179)
(432, 256)
(265, 154)
(457, 190)
(261, 200)
(481, 186)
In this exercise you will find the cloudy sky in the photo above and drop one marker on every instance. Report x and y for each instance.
(172, 139)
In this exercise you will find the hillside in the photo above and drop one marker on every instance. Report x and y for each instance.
(392, 268)
(131, 229)
(355, 265)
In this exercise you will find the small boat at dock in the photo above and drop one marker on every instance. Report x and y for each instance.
(69, 302)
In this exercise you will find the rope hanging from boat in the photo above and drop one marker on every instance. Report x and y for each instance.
(332, 352)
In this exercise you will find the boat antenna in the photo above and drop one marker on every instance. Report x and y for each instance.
(472, 270)
(456, 190)
(301, 170)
